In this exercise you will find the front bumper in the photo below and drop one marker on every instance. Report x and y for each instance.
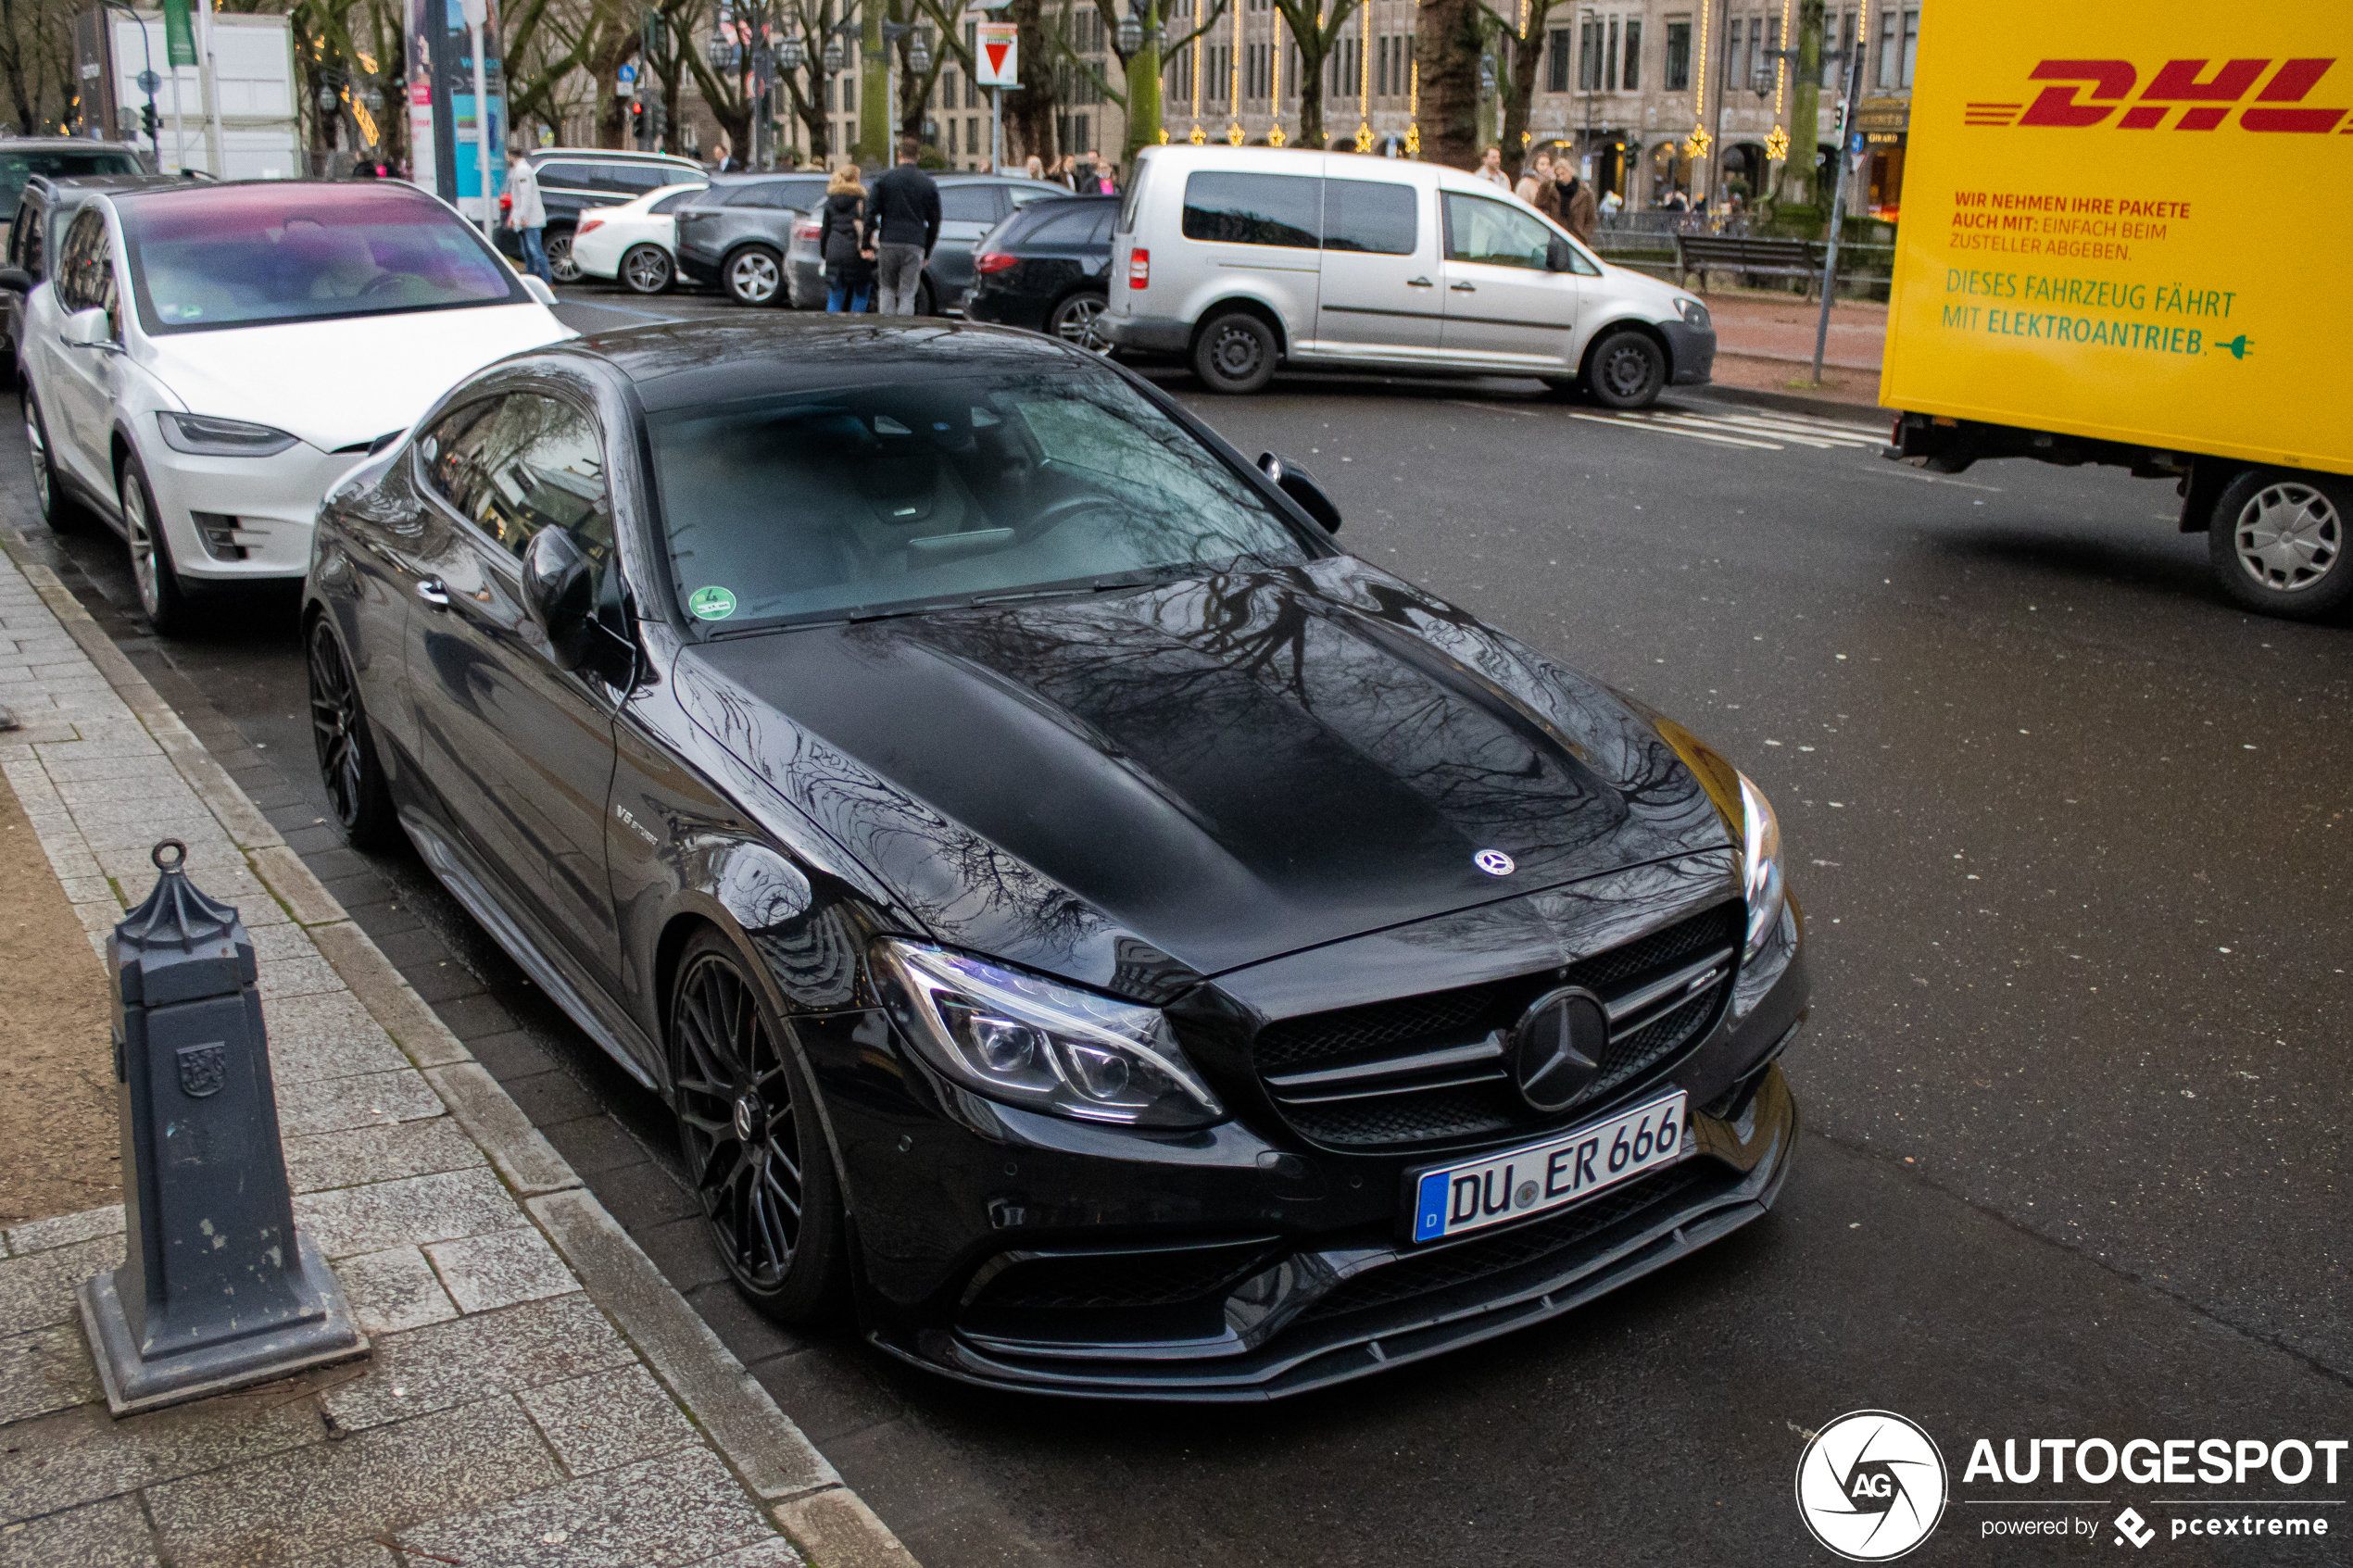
(1690, 353)
(233, 519)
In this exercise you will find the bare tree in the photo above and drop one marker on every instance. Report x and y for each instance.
(1448, 37)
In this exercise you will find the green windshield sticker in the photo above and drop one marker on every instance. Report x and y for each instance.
(711, 604)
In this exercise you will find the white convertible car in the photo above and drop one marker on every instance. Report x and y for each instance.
(636, 242)
(205, 361)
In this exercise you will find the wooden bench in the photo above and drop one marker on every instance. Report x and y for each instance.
(1751, 258)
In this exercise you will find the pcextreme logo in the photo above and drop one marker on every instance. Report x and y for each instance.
(2192, 94)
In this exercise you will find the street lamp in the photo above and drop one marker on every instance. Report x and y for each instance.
(919, 55)
(1130, 34)
(792, 54)
(832, 58)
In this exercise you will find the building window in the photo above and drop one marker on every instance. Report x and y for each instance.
(1609, 58)
(1633, 78)
(1556, 67)
(1679, 57)
(1589, 55)
(1911, 43)
(1884, 76)
(1731, 61)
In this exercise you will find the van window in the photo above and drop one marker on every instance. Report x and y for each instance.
(1254, 210)
(1480, 229)
(1366, 214)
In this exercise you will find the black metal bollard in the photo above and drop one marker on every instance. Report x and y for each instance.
(216, 1290)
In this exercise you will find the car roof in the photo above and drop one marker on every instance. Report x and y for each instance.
(47, 183)
(64, 144)
(720, 360)
(608, 155)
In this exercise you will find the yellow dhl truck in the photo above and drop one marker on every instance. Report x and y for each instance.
(2123, 242)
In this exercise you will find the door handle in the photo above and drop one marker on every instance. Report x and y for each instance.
(1417, 282)
(1463, 288)
(430, 590)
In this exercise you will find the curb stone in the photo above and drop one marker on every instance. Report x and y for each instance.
(770, 1456)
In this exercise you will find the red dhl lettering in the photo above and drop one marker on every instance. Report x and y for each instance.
(2197, 96)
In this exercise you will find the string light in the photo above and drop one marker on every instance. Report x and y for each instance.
(1365, 78)
(1414, 111)
(1198, 137)
(1234, 81)
(1696, 145)
(1776, 141)
(1275, 133)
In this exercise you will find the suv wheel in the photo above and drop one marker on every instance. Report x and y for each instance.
(158, 582)
(1626, 369)
(753, 275)
(556, 243)
(647, 269)
(2278, 543)
(56, 507)
(1235, 353)
(1078, 321)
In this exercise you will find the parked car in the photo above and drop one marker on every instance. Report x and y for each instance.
(970, 204)
(635, 243)
(1207, 965)
(45, 207)
(1046, 268)
(61, 158)
(735, 233)
(203, 360)
(572, 179)
(1246, 258)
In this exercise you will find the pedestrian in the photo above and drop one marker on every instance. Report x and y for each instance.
(1066, 173)
(366, 168)
(1580, 213)
(1534, 179)
(1491, 168)
(1034, 166)
(1676, 201)
(849, 262)
(723, 159)
(1549, 187)
(1099, 181)
(526, 214)
(902, 225)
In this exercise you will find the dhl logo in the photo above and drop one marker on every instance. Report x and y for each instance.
(2198, 94)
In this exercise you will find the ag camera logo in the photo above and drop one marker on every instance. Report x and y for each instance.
(1871, 1486)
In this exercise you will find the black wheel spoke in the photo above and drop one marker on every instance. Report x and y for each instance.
(737, 1123)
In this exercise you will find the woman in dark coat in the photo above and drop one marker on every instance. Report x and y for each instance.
(850, 268)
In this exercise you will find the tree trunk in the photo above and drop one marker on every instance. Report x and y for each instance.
(1029, 108)
(1144, 112)
(1446, 45)
(1524, 56)
(1804, 108)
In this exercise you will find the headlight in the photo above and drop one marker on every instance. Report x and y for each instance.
(1030, 1042)
(1691, 311)
(1760, 864)
(203, 436)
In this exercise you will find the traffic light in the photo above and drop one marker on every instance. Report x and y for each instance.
(149, 124)
(1838, 122)
(638, 119)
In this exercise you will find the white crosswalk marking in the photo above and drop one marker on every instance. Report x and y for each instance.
(1764, 432)
(1658, 427)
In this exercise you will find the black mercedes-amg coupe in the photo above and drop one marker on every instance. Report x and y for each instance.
(1089, 925)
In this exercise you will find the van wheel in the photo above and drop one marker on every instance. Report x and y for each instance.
(1625, 371)
(2278, 543)
(1235, 353)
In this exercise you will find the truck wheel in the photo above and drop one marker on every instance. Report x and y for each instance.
(2278, 543)
(1235, 353)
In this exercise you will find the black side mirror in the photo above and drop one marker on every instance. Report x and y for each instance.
(1299, 486)
(559, 590)
(16, 280)
(1559, 256)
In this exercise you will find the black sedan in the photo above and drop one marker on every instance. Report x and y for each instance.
(1047, 268)
(1088, 924)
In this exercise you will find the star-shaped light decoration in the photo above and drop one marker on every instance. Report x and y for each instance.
(1199, 137)
(1697, 143)
(1777, 144)
(1412, 140)
(1275, 137)
(1234, 134)
(1163, 136)
(1364, 136)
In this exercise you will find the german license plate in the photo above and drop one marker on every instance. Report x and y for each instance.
(1551, 1175)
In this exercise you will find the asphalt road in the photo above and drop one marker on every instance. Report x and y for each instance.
(2070, 835)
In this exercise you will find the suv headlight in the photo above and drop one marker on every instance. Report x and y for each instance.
(1030, 1042)
(1760, 865)
(204, 435)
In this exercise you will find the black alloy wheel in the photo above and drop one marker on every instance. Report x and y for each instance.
(55, 506)
(1078, 321)
(1235, 353)
(753, 1145)
(1626, 369)
(347, 766)
(754, 275)
(2278, 539)
(556, 243)
(647, 269)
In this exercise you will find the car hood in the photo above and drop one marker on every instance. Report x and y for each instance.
(343, 382)
(1196, 777)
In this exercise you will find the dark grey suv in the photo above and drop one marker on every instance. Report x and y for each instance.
(573, 178)
(970, 204)
(735, 233)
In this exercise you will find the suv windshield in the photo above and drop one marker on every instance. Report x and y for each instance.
(240, 256)
(866, 499)
(17, 166)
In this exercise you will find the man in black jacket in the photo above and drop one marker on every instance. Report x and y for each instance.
(902, 225)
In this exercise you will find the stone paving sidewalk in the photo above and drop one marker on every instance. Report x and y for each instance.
(537, 1392)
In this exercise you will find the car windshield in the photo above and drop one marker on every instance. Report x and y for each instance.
(240, 256)
(873, 500)
(17, 166)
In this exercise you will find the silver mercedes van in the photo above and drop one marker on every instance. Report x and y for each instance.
(1245, 258)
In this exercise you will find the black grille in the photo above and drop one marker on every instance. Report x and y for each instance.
(1480, 1257)
(1082, 1281)
(1396, 1100)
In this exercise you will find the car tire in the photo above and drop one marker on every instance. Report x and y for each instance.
(754, 1146)
(1078, 321)
(556, 243)
(926, 301)
(357, 789)
(1626, 369)
(56, 507)
(2278, 541)
(157, 580)
(1235, 353)
(753, 276)
(647, 269)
